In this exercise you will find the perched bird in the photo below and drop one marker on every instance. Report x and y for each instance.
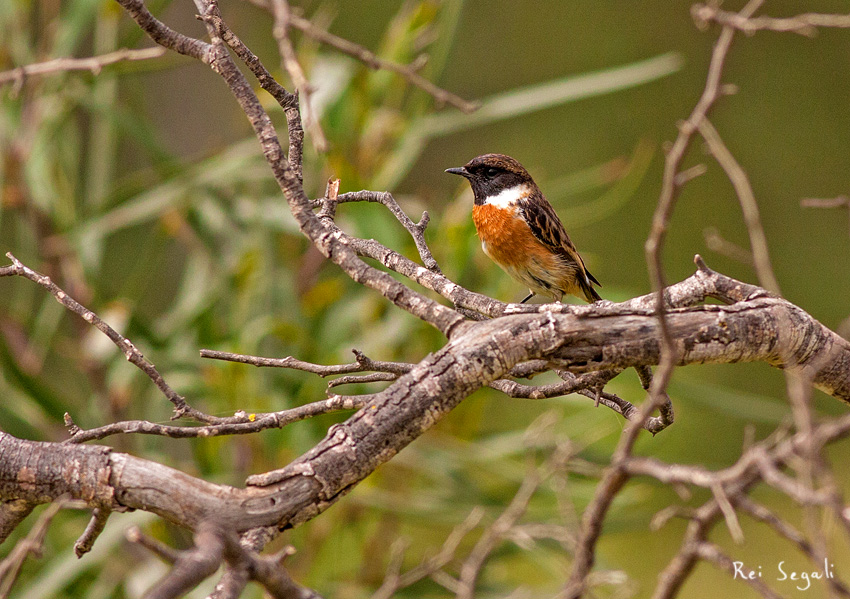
(520, 231)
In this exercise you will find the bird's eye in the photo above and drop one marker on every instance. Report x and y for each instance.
(491, 172)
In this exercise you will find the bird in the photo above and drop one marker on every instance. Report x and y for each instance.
(520, 231)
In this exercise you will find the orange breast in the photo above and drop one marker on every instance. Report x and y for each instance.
(506, 237)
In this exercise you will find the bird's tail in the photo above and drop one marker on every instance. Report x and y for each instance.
(589, 292)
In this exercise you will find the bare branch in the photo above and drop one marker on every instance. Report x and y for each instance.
(214, 546)
(95, 526)
(712, 553)
(362, 364)
(242, 423)
(728, 513)
(288, 101)
(374, 61)
(32, 544)
(787, 531)
(93, 64)
(167, 554)
(133, 355)
(671, 184)
(717, 243)
(416, 230)
(591, 344)
(839, 202)
(494, 533)
(192, 566)
(804, 24)
(395, 581)
(282, 21)
(164, 35)
(749, 207)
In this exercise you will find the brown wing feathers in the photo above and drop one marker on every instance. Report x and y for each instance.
(548, 229)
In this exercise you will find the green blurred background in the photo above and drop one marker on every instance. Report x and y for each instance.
(143, 193)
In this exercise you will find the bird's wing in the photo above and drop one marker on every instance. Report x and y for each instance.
(547, 228)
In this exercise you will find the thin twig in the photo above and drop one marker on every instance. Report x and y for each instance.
(363, 363)
(167, 554)
(32, 544)
(804, 24)
(719, 244)
(242, 423)
(712, 553)
(395, 580)
(471, 567)
(670, 185)
(288, 101)
(728, 513)
(374, 61)
(749, 206)
(616, 477)
(93, 64)
(133, 355)
(839, 202)
(416, 230)
(282, 21)
(788, 532)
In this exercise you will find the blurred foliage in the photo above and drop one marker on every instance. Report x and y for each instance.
(141, 193)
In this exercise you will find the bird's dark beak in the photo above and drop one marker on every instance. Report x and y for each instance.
(459, 171)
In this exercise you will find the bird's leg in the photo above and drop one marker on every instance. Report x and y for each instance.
(528, 297)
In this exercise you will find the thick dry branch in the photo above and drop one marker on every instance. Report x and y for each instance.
(668, 327)
(595, 338)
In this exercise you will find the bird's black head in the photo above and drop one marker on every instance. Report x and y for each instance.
(491, 174)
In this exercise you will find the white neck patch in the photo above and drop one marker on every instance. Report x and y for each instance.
(507, 198)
